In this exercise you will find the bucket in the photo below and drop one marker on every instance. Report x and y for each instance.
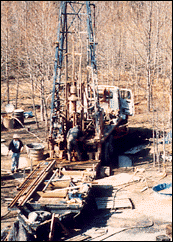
(35, 151)
(8, 122)
(19, 114)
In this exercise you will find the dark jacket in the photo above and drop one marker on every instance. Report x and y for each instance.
(13, 148)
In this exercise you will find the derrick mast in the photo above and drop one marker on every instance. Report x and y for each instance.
(95, 115)
(75, 72)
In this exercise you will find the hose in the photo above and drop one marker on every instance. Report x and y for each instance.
(27, 129)
(134, 227)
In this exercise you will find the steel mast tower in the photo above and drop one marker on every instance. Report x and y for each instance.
(75, 28)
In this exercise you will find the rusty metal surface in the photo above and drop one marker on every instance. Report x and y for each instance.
(30, 184)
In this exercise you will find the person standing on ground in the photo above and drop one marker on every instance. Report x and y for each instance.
(16, 146)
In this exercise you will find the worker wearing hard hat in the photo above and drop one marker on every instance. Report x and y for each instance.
(16, 146)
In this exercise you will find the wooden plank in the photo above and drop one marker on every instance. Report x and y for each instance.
(74, 187)
(60, 163)
(53, 194)
(57, 206)
(58, 184)
(79, 173)
(104, 202)
(122, 203)
(110, 202)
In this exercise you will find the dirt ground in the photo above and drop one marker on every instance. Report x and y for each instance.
(151, 212)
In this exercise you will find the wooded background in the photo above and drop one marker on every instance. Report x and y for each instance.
(134, 48)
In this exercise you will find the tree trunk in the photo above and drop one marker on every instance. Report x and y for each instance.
(154, 150)
(17, 91)
(33, 99)
(149, 94)
(6, 67)
(42, 101)
(157, 137)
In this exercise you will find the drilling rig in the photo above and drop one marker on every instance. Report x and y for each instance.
(93, 115)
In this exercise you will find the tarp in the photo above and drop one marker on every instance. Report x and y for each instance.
(28, 114)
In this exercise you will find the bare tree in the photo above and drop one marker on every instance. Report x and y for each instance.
(5, 33)
(134, 46)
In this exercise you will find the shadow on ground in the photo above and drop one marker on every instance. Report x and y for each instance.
(135, 137)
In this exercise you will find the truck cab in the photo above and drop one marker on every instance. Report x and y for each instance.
(116, 99)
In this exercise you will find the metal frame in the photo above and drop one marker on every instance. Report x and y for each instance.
(67, 11)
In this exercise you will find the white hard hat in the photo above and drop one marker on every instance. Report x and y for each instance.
(16, 136)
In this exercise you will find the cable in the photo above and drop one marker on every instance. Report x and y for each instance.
(134, 227)
(27, 129)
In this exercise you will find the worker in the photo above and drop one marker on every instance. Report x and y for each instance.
(73, 137)
(16, 146)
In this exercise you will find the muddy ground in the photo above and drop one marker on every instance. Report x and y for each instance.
(151, 212)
